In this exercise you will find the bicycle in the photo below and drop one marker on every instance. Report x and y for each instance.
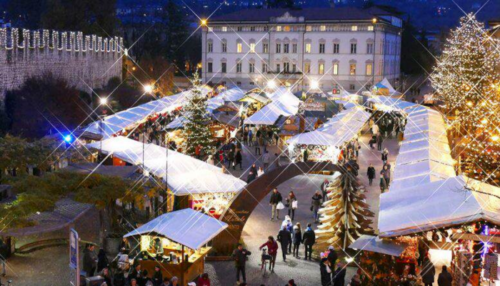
(265, 258)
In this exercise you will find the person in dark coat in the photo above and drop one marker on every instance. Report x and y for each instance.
(119, 278)
(445, 278)
(296, 239)
(385, 156)
(89, 260)
(324, 189)
(284, 238)
(315, 205)
(371, 174)
(135, 273)
(102, 260)
(124, 246)
(380, 140)
(428, 272)
(339, 275)
(276, 198)
(332, 255)
(240, 259)
(326, 277)
(238, 160)
(309, 239)
(252, 174)
(383, 183)
(157, 276)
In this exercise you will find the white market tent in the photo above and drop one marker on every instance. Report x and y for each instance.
(431, 154)
(119, 121)
(378, 245)
(284, 103)
(186, 175)
(186, 227)
(445, 203)
(390, 103)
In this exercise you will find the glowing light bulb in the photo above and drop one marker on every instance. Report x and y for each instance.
(148, 88)
(103, 100)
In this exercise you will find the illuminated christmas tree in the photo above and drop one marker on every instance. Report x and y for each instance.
(466, 80)
(196, 130)
(345, 216)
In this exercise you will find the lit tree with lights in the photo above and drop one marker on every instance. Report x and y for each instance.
(196, 130)
(466, 80)
(345, 216)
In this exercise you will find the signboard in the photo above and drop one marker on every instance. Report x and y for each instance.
(314, 106)
(74, 258)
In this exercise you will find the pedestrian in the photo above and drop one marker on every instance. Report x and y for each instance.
(387, 176)
(315, 205)
(332, 255)
(204, 280)
(291, 204)
(375, 129)
(291, 282)
(135, 273)
(230, 158)
(306, 155)
(380, 140)
(258, 136)
(276, 199)
(221, 157)
(445, 278)
(124, 246)
(157, 276)
(166, 282)
(428, 273)
(324, 188)
(356, 281)
(474, 278)
(383, 182)
(238, 160)
(119, 278)
(372, 141)
(339, 276)
(107, 276)
(308, 239)
(326, 272)
(252, 173)
(197, 151)
(266, 159)
(272, 250)
(285, 239)
(174, 281)
(296, 239)
(385, 155)
(89, 260)
(240, 259)
(260, 172)
(371, 174)
(210, 160)
(144, 279)
(250, 137)
(102, 260)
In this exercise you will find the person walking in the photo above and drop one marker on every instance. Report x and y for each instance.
(332, 256)
(387, 176)
(258, 136)
(238, 160)
(296, 239)
(252, 173)
(250, 137)
(339, 275)
(326, 272)
(385, 156)
(375, 129)
(445, 278)
(230, 158)
(371, 174)
(102, 260)
(428, 272)
(380, 140)
(291, 204)
(383, 183)
(157, 278)
(260, 172)
(285, 239)
(266, 160)
(272, 250)
(89, 260)
(204, 280)
(308, 239)
(324, 188)
(276, 198)
(240, 259)
(315, 205)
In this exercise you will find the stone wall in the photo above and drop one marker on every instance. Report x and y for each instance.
(85, 61)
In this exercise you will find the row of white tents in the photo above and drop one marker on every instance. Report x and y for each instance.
(284, 103)
(426, 193)
(184, 175)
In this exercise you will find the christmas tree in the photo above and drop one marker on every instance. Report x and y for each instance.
(466, 80)
(196, 131)
(345, 215)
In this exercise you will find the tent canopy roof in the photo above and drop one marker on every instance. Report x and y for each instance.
(186, 227)
(376, 244)
(284, 103)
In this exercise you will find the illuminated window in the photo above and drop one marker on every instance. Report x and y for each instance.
(252, 47)
(321, 68)
(335, 68)
(309, 28)
(239, 48)
(370, 28)
(278, 28)
(322, 28)
(308, 48)
(369, 69)
(352, 69)
(354, 28)
(224, 29)
(287, 29)
(307, 68)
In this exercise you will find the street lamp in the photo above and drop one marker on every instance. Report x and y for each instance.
(204, 22)
(148, 88)
(314, 84)
(271, 84)
(103, 101)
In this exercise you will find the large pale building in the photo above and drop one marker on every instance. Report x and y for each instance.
(311, 48)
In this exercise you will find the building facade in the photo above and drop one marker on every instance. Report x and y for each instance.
(86, 62)
(309, 49)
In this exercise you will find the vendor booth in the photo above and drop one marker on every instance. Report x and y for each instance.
(177, 242)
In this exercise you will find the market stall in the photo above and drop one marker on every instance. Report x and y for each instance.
(177, 242)
(284, 103)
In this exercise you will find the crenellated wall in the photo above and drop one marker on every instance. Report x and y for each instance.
(85, 61)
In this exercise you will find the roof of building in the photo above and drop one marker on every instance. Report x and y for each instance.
(309, 14)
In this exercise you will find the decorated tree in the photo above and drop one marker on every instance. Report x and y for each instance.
(196, 131)
(345, 216)
(466, 80)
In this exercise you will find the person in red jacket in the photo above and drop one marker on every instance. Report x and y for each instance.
(272, 249)
(203, 280)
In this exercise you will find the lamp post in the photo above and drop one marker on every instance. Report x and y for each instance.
(103, 101)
